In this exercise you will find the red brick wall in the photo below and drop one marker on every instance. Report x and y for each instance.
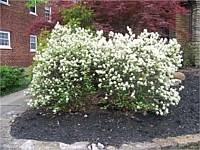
(16, 19)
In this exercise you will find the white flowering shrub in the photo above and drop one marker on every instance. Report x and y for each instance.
(134, 73)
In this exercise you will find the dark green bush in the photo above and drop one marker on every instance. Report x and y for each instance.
(189, 52)
(79, 16)
(10, 76)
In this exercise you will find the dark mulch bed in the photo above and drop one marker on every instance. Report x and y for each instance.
(114, 127)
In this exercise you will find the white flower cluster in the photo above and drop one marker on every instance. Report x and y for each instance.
(138, 69)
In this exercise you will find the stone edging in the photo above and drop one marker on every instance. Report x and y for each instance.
(179, 142)
(9, 143)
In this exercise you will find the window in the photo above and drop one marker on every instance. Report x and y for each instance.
(4, 2)
(33, 43)
(48, 13)
(5, 40)
(33, 10)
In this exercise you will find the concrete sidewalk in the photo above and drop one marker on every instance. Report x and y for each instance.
(14, 102)
(13, 105)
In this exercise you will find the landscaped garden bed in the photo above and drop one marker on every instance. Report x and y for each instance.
(114, 127)
(112, 88)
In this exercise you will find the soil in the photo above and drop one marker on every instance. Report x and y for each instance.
(114, 127)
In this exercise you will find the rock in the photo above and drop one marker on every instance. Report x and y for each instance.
(179, 142)
(166, 143)
(179, 75)
(145, 146)
(75, 146)
(92, 147)
(126, 147)
(111, 148)
(89, 147)
(41, 145)
(186, 141)
(64, 146)
(28, 145)
(100, 146)
(176, 82)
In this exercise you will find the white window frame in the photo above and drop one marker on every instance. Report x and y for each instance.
(6, 46)
(33, 50)
(49, 8)
(33, 13)
(5, 3)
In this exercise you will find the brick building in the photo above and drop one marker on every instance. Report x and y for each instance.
(17, 47)
(196, 29)
(191, 24)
